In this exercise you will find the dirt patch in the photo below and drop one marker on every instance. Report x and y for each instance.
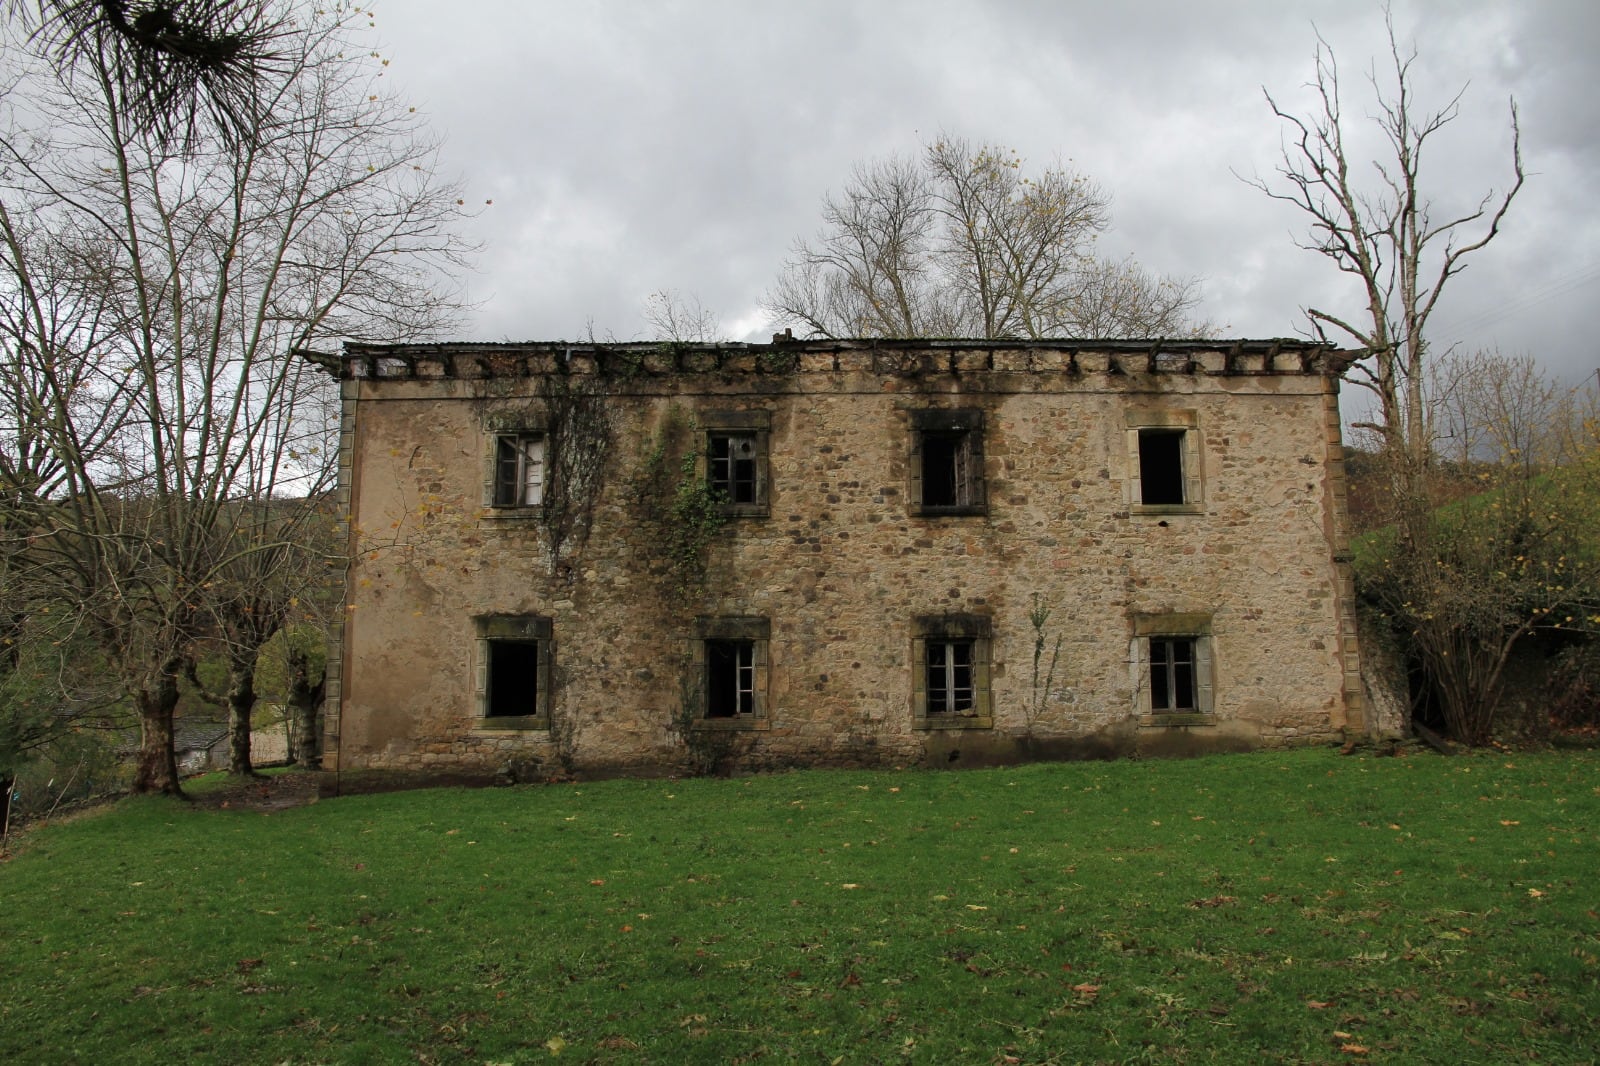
(297, 788)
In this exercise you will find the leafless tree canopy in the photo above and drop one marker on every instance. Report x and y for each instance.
(163, 455)
(963, 242)
(1375, 223)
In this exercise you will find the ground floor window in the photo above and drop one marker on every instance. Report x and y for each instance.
(1172, 668)
(730, 678)
(515, 658)
(729, 686)
(950, 671)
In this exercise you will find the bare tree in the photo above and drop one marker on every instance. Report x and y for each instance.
(1378, 227)
(676, 317)
(214, 261)
(962, 242)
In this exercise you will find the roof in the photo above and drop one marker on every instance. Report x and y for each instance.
(785, 355)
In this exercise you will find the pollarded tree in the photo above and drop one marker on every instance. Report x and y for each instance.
(963, 242)
(216, 259)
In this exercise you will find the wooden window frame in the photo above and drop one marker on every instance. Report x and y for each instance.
(964, 428)
(971, 631)
(1152, 630)
(749, 631)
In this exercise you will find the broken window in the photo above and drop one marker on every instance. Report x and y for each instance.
(513, 687)
(519, 470)
(950, 662)
(1164, 462)
(950, 678)
(514, 655)
(730, 657)
(730, 678)
(733, 467)
(947, 462)
(1172, 664)
(736, 459)
(1172, 680)
(1161, 466)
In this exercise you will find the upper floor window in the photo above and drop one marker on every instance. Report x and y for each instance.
(947, 462)
(733, 467)
(519, 470)
(736, 460)
(1164, 459)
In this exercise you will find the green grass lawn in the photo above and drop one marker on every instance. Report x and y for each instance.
(1300, 907)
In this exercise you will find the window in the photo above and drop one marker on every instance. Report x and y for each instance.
(730, 678)
(514, 654)
(950, 671)
(1172, 678)
(736, 459)
(1172, 669)
(730, 659)
(950, 679)
(1164, 457)
(519, 470)
(947, 462)
(1161, 466)
(733, 467)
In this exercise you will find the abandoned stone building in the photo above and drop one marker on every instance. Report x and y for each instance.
(664, 558)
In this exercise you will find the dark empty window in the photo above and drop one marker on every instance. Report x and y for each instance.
(1161, 466)
(947, 470)
(1172, 674)
(947, 462)
(730, 678)
(519, 471)
(733, 467)
(951, 687)
(512, 687)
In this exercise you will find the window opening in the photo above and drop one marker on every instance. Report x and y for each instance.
(951, 689)
(1172, 674)
(513, 682)
(947, 470)
(1161, 466)
(519, 471)
(730, 678)
(733, 466)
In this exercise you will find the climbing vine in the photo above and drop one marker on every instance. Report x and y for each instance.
(579, 425)
(675, 499)
(1038, 617)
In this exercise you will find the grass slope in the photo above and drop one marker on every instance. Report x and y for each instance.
(1281, 907)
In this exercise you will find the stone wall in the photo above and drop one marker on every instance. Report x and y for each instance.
(841, 566)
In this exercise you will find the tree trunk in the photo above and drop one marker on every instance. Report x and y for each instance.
(241, 702)
(305, 701)
(156, 698)
(7, 781)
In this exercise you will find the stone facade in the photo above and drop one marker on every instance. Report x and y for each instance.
(669, 558)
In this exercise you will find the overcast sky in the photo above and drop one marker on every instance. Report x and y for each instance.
(640, 146)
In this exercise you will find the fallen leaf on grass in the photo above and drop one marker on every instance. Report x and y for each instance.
(1353, 1049)
(1319, 1004)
